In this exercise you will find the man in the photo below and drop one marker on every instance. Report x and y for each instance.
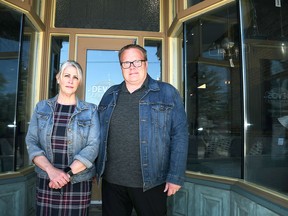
(144, 140)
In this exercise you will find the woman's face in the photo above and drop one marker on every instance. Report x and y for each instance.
(69, 81)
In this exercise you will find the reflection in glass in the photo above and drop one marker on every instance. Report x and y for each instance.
(26, 79)
(16, 76)
(212, 92)
(9, 61)
(265, 32)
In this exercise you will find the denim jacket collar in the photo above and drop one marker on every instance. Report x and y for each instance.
(152, 86)
(80, 105)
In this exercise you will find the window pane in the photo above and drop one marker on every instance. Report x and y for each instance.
(212, 92)
(102, 71)
(28, 60)
(154, 55)
(10, 23)
(59, 54)
(138, 15)
(265, 25)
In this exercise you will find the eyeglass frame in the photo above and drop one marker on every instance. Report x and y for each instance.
(130, 63)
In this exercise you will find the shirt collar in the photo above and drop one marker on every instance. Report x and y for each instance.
(144, 85)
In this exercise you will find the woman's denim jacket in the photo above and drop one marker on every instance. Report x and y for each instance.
(163, 133)
(83, 136)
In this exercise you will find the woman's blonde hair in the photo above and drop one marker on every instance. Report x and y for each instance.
(72, 63)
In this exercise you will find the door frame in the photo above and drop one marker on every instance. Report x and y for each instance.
(83, 44)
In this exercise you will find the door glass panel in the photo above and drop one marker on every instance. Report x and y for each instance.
(102, 71)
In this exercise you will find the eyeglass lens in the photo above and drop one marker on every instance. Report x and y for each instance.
(136, 63)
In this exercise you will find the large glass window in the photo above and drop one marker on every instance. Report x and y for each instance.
(265, 31)
(216, 107)
(212, 92)
(18, 41)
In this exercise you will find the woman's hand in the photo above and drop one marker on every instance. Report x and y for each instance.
(58, 178)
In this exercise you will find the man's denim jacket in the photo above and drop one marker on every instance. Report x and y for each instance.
(83, 136)
(163, 133)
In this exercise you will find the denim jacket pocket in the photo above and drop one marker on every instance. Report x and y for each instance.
(42, 119)
(84, 126)
(160, 114)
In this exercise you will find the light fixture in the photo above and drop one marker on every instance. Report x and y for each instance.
(283, 39)
(203, 86)
(228, 47)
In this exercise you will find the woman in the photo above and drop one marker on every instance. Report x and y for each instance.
(63, 143)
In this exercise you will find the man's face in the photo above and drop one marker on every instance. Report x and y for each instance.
(134, 75)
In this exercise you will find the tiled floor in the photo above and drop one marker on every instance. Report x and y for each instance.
(95, 210)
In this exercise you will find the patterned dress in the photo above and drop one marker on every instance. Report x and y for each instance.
(72, 199)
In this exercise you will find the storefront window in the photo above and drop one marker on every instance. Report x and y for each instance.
(17, 59)
(212, 92)
(264, 27)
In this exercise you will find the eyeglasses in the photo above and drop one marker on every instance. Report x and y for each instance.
(136, 63)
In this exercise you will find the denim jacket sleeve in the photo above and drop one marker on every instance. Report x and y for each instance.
(88, 154)
(32, 138)
(179, 143)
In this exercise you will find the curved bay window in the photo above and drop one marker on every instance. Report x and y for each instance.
(265, 32)
(238, 116)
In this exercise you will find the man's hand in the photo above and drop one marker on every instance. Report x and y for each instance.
(171, 189)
